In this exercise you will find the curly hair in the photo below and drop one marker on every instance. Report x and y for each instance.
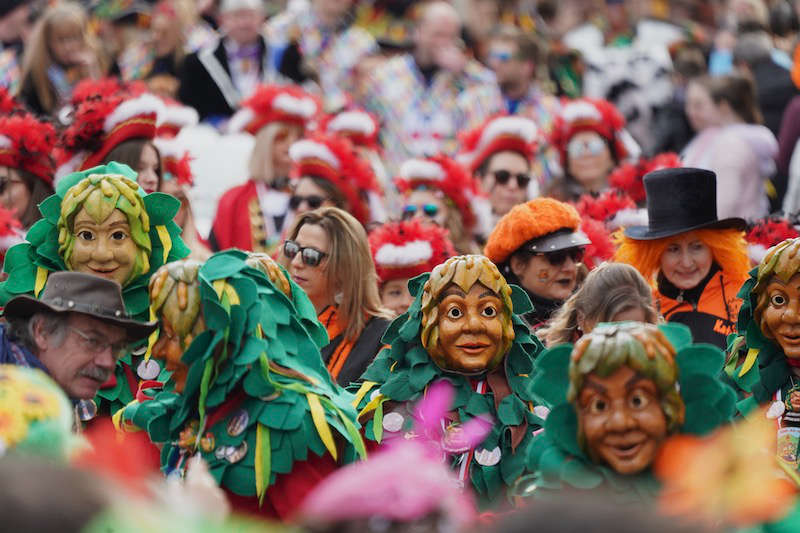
(464, 271)
(100, 195)
(728, 247)
(641, 347)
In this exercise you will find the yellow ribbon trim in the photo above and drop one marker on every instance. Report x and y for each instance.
(391, 368)
(263, 461)
(275, 369)
(152, 339)
(120, 424)
(749, 361)
(221, 286)
(41, 279)
(371, 406)
(163, 234)
(323, 429)
(365, 388)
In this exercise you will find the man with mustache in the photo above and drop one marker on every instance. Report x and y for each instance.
(75, 332)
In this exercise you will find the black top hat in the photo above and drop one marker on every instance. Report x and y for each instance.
(77, 292)
(681, 200)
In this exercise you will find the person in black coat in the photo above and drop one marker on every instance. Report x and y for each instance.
(215, 79)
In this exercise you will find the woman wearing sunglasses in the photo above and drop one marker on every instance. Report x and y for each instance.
(328, 172)
(437, 189)
(539, 247)
(253, 216)
(591, 139)
(328, 256)
(26, 166)
(499, 154)
(696, 262)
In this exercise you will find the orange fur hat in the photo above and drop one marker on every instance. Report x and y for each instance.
(528, 221)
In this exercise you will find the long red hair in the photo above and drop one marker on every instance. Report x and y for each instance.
(728, 247)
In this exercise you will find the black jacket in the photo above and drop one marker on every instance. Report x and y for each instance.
(216, 96)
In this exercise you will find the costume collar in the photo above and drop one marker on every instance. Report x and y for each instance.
(692, 295)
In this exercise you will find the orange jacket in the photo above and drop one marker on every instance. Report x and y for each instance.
(710, 309)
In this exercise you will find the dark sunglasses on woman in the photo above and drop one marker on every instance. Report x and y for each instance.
(410, 211)
(314, 201)
(503, 176)
(310, 256)
(558, 257)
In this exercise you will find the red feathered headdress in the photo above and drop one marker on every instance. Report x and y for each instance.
(589, 114)
(360, 127)
(7, 103)
(604, 206)
(176, 161)
(175, 117)
(274, 103)
(334, 159)
(403, 250)
(766, 233)
(498, 134)
(601, 248)
(27, 144)
(446, 175)
(100, 124)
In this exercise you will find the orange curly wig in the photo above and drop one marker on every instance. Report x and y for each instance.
(728, 248)
(527, 221)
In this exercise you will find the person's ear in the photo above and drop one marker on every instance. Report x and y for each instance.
(40, 338)
(517, 265)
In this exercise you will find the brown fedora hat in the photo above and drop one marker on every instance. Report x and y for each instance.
(76, 292)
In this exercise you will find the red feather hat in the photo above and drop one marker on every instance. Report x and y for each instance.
(176, 116)
(101, 123)
(27, 144)
(766, 233)
(361, 127)
(446, 175)
(403, 250)
(334, 159)
(604, 206)
(601, 248)
(589, 114)
(498, 134)
(176, 160)
(274, 103)
(7, 103)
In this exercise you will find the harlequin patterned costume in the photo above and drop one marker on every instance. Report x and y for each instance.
(556, 456)
(28, 264)
(401, 374)
(258, 404)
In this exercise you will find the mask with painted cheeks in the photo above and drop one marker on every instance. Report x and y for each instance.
(466, 315)
(777, 291)
(623, 385)
(103, 228)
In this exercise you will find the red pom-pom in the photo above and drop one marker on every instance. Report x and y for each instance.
(628, 179)
(771, 231)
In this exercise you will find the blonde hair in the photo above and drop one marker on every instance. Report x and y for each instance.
(260, 165)
(350, 271)
(607, 291)
(38, 56)
(728, 248)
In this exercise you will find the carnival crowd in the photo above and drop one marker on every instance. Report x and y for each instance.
(399, 265)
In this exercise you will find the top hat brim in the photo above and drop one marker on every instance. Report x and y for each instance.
(643, 233)
(24, 306)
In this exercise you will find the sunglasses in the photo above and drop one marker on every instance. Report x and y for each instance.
(578, 148)
(502, 177)
(310, 256)
(410, 211)
(558, 258)
(314, 201)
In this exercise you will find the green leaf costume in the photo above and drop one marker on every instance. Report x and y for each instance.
(557, 457)
(106, 187)
(401, 374)
(756, 364)
(257, 398)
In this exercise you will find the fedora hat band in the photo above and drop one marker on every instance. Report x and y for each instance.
(84, 307)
